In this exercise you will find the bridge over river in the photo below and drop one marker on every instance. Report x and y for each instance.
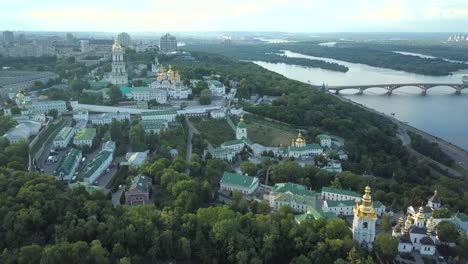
(458, 87)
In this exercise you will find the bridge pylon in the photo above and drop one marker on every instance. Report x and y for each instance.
(389, 92)
(458, 91)
(424, 92)
(361, 91)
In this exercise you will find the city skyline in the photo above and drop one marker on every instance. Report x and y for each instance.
(263, 15)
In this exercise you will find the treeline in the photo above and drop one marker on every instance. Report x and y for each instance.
(43, 223)
(376, 57)
(267, 53)
(429, 149)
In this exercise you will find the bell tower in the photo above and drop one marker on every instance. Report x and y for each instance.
(241, 130)
(364, 221)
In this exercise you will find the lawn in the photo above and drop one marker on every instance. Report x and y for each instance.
(268, 132)
(216, 131)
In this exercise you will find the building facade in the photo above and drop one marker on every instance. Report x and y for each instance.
(243, 184)
(216, 88)
(119, 74)
(139, 192)
(68, 165)
(63, 138)
(297, 197)
(41, 107)
(168, 44)
(166, 115)
(106, 118)
(335, 194)
(85, 137)
(364, 221)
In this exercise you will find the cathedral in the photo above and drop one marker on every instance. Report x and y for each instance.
(416, 234)
(119, 75)
(299, 149)
(170, 81)
(364, 221)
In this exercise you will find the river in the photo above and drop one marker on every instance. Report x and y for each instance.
(440, 113)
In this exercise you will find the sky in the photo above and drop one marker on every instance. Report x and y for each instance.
(236, 15)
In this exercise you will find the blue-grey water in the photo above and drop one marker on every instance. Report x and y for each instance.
(441, 112)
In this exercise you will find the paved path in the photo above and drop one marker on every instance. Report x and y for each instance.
(116, 196)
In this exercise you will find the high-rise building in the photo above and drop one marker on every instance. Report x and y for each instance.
(22, 39)
(168, 43)
(124, 39)
(70, 38)
(8, 37)
(119, 74)
(84, 44)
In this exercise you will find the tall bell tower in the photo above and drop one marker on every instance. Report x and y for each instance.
(364, 221)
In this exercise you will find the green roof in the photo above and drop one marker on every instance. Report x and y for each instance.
(378, 204)
(66, 164)
(160, 112)
(215, 83)
(141, 89)
(323, 136)
(86, 134)
(293, 188)
(290, 197)
(98, 85)
(125, 89)
(340, 191)
(463, 217)
(237, 179)
(341, 203)
(96, 163)
(220, 151)
(63, 133)
(306, 147)
(141, 182)
(313, 214)
(241, 125)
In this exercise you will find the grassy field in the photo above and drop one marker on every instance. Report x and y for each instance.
(216, 131)
(268, 132)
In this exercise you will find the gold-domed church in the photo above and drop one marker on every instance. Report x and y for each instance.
(118, 75)
(299, 149)
(364, 221)
(171, 82)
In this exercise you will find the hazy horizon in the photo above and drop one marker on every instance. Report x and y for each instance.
(293, 16)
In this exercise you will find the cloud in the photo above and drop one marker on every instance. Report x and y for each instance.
(446, 13)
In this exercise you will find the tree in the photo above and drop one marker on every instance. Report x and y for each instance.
(447, 231)
(386, 226)
(137, 138)
(53, 113)
(30, 254)
(200, 86)
(6, 122)
(249, 168)
(115, 95)
(116, 131)
(387, 246)
(441, 213)
(205, 97)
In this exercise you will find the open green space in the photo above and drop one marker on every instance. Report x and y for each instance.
(268, 132)
(216, 131)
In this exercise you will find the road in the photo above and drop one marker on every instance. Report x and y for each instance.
(116, 196)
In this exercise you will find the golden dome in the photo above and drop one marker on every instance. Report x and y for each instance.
(170, 71)
(401, 221)
(420, 214)
(367, 207)
(299, 139)
(116, 45)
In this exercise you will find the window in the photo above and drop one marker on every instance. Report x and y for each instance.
(415, 240)
(364, 225)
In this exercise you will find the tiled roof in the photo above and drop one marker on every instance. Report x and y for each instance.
(237, 179)
(340, 191)
(125, 89)
(323, 136)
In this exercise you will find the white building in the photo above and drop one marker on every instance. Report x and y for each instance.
(106, 118)
(226, 154)
(241, 129)
(364, 221)
(63, 138)
(119, 74)
(85, 137)
(68, 165)
(97, 166)
(231, 182)
(218, 114)
(80, 115)
(346, 207)
(41, 107)
(432, 203)
(23, 131)
(333, 166)
(298, 149)
(297, 197)
(166, 115)
(135, 159)
(147, 94)
(416, 234)
(216, 88)
(324, 140)
(334, 194)
(154, 126)
(170, 81)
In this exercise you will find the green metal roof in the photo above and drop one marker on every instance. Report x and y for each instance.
(237, 179)
(241, 125)
(233, 142)
(323, 136)
(313, 214)
(293, 188)
(141, 89)
(64, 133)
(341, 203)
(141, 182)
(220, 151)
(378, 204)
(161, 112)
(66, 164)
(290, 197)
(96, 163)
(125, 89)
(86, 134)
(216, 83)
(340, 191)
(306, 147)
